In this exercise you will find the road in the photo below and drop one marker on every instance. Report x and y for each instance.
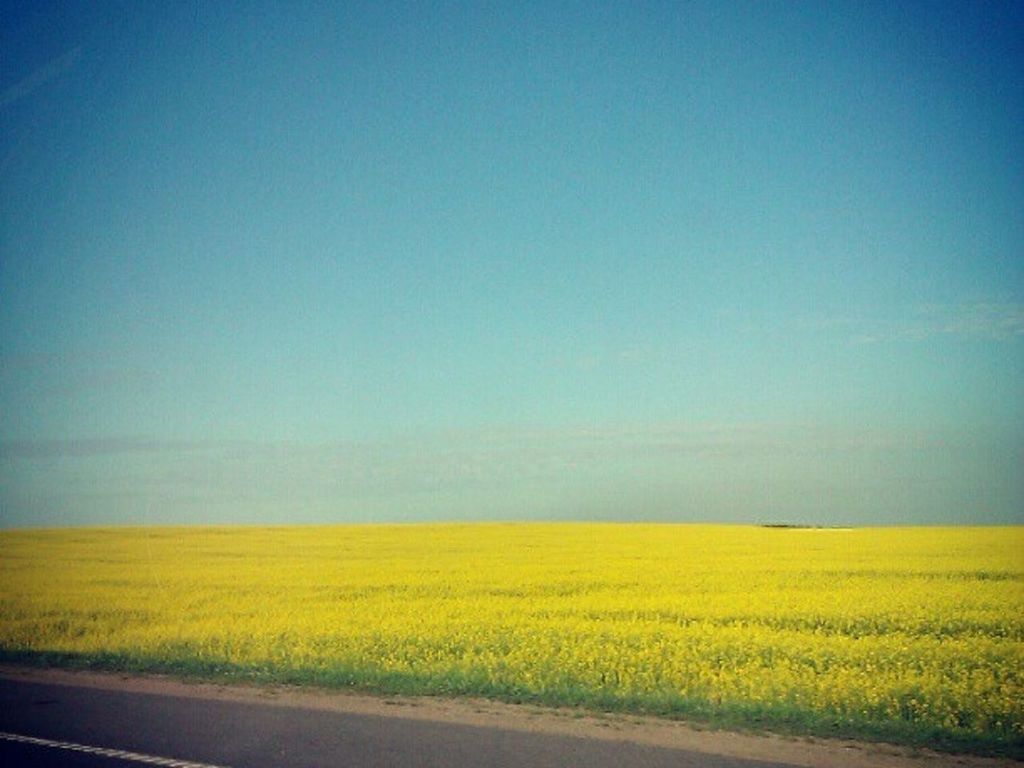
(102, 720)
(242, 734)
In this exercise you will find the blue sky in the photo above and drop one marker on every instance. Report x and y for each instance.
(296, 262)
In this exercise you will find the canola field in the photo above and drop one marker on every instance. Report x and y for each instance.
(914, 635)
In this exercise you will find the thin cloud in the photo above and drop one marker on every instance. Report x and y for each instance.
(627, 356)
(44, 74)
(997, 321)
(490, 453)
(47, 449)
(666, 470)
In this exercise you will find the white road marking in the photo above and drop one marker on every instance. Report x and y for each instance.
(120, 754)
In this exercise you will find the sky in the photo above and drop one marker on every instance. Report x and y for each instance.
(344, 262)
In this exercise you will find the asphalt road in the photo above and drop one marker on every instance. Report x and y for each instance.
(254, 735)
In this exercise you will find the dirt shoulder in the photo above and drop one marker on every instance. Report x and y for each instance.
(526, 718)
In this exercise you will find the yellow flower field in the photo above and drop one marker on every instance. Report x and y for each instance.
(909, 634)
